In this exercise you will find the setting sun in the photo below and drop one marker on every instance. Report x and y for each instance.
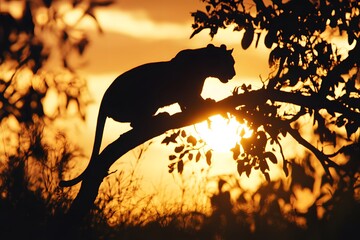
(179, 119)
(222, 134)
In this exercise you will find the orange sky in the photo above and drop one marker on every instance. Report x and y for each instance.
(141, 31)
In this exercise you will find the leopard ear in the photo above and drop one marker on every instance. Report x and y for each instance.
(223, 46)
(210, 45)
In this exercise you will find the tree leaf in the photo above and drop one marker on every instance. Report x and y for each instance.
(247, 170)
(270, 156)
(198, 156)
(351, 128)
(350, 149)
(180, 166)
(270, 38)
(208, 8)
(247, 38)
(264, 165)
(179, 149)
(236, 151)
(196, 31)
(183, 133)
(240, 167)
(171, 138)
(183, 154)
(351, 37)
(192, 140)
(273, 56)
(208, 156)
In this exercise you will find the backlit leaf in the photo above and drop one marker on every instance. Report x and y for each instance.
(248, 170)
(171, 138)
(240, 167)
(191, 139)
(351, 128)
(198, 156)
(270, 38)
(179, 149)
(180, 166)
(236, 151)
(247, 38)
(271, 156)
(208, 156)
(183, 133)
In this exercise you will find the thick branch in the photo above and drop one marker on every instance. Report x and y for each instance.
(126, 142)
(158, 125)
(324, 160)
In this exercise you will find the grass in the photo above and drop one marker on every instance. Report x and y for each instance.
(31, 204)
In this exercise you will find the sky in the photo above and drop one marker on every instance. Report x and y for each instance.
(138, 32)
(142, 31)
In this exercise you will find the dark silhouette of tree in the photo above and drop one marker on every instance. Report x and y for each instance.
(315, 77)
(37, 46)
(312, 78)
(308, 70)
(35, 49)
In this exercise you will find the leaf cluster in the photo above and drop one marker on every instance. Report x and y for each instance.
(35, 52)
(254, 155)
(296, 31)
(187, 148)
(272, 210)
(256, 151)
(30, 169)
(313, 77)
(249, 153)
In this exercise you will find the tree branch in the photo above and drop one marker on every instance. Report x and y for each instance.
(323, 159)
(98, 169)
(160, 124)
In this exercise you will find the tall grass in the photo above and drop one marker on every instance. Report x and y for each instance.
(31, 167)
(31, 203)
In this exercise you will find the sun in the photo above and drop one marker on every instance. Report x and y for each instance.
(222, 134)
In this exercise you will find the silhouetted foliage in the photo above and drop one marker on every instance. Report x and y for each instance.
(312, 80)
(312, 87)
(36, 48)
(29, 175)
(37, 42)
(311, 96)
(316, 76)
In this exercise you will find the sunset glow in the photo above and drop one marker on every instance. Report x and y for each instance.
(222, 134)
(179, 119)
